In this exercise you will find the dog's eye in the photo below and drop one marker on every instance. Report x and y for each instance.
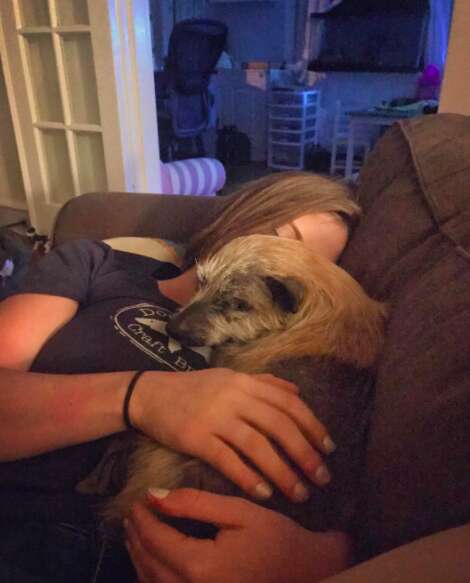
(222, 305)
(241, 305)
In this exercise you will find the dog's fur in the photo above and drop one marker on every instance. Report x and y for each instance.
(261, 299)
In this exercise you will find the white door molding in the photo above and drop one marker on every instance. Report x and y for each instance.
(129, 47)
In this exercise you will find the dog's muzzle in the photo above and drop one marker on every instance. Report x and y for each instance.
(187, 326)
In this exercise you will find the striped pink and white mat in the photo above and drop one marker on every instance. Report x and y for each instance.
(196, 176)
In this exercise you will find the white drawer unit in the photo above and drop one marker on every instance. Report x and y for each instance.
(293, 115)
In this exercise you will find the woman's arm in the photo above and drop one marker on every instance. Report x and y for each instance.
(253, 543)
(27, 322)
(43, 412)
(212, 414)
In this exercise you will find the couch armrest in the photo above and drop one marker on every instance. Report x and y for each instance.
(105, 215)
(440, 558)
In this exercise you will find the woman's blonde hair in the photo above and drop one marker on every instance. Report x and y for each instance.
(261, 206)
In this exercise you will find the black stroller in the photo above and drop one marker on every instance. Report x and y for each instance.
(194, 48)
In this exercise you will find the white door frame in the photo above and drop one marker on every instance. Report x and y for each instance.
(120, 36)
(134, 97)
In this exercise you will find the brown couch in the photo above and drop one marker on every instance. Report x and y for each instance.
(412, 249)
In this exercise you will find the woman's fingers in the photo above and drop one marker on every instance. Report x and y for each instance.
(222, 452)
(139, 560)
(243, 420)
(220, 510)
(222, 417)
(273, 380)
(260, 451)
(161, 553)
(151, 545)
(239, 551)
(138, 556)
(226, 460)
(295, 408)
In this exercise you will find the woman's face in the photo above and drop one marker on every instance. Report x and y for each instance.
(324, 233)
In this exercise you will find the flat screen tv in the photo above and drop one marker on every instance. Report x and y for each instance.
(370, 35)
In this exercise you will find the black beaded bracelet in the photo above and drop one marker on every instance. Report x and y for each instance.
(127, 398)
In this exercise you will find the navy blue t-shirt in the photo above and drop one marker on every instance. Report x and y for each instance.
(121, 322)
(120, 325)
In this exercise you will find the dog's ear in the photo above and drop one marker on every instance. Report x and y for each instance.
(287, 292)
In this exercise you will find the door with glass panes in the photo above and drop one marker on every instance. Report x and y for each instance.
(76, 89)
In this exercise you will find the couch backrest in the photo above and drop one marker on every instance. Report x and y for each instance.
(99, 215)
(413, 250)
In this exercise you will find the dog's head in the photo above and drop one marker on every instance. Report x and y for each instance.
(277, 289)
(240, 298)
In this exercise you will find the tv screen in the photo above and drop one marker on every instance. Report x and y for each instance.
(370, 36)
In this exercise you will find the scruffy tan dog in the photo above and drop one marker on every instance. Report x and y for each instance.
(261, 299)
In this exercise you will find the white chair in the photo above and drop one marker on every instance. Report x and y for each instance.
(362, 141)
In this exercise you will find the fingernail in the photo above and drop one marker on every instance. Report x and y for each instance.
(263, 491)
(125, 523)
(158, 492)
(301, 494)
(322, 475)
(329, 445)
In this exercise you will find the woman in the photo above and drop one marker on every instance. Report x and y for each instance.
(75, 336)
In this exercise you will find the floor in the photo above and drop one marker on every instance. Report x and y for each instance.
(238, 175)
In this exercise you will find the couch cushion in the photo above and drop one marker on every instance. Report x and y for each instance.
(412, 250)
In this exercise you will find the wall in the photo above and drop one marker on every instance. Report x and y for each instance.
(258, 31)
(11, 190)
(262, 31)
(455, 94)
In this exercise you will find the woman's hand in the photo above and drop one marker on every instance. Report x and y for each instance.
(253, 544)
(216, 414)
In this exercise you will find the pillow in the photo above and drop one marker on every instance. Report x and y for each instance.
(160, 249)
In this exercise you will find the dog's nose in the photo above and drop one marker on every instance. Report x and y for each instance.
(180, 329)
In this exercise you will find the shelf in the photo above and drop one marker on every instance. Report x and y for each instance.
(275, 118)
(296, 106)
(285, 166)
(296, 144)
(296, 120)
(300, 91)
(288, 131)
